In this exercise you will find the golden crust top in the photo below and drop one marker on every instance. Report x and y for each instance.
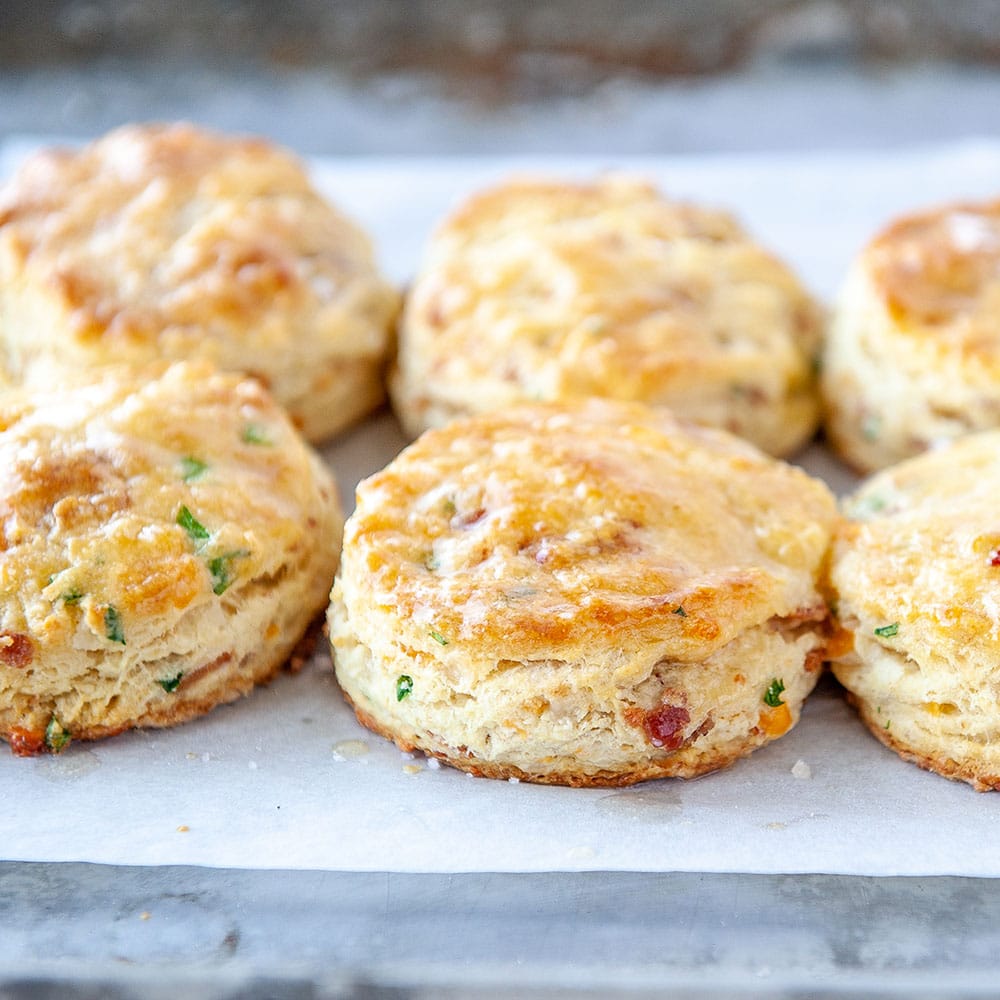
(521, 203)
(546, 531)
(920, 558)
(126, 503)
(171, 241)
(938, 274)
(558, 291)
(618, 289)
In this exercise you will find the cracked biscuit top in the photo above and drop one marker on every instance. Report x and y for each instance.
(176, 243)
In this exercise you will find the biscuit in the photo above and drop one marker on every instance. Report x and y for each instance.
(588, 594)
(913, 355)
(916, 578)
(540, 290)
(169, 242)
(165, 541)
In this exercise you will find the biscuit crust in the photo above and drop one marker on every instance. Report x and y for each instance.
(916, 577)
(587, 595)
(171, 242)
(913, 356)
(542, 290)
(165, 541)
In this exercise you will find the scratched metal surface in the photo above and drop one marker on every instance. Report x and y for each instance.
(94, 931)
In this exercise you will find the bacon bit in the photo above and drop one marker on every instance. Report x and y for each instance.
(435, 314)
(706, 727)
(468, 520)
(995, 558)
(263, 379)
(543, 552)
(776, 721)
(26, 742)
(814, 660)
(16, 650)
(753, 394)
(664, 726)
(220, 661)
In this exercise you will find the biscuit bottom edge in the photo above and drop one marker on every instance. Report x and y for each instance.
(464, 761)
(681, 720)
(930, 757)
(223, 680)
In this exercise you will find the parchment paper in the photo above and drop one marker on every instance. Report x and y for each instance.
(287, 778)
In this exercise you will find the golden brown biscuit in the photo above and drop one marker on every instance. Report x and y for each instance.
(916, 575)
(540, 290)
(913, 356)
(164, 544)
(587, 595)
(170, 242)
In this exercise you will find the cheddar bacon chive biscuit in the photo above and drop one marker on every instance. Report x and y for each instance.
(540, 290)
(913, 357)
(585, 595)
(164, 544)
(169, 242)
(916, 576)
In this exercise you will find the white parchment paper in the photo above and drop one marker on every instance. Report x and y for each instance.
(288, 779)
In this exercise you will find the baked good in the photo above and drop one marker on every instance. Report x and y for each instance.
(916, 578)
(586, 594)
(546, 290)
(913, 355)
(165, 541)
(171, 242)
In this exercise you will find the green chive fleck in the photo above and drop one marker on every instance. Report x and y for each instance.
(887, 631)
(171, 684)
(192, 468)
(438, 637)
(221, 577)
(72, 596)
(255, 434)
(871, 428)
(221, 568)
(867, 506)
(772, 696)
(113, 625)
(449, 507)
(431, 561)
(679, 610)
(197, 532)
(56, 738)
(888, 723)
(404, 685)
